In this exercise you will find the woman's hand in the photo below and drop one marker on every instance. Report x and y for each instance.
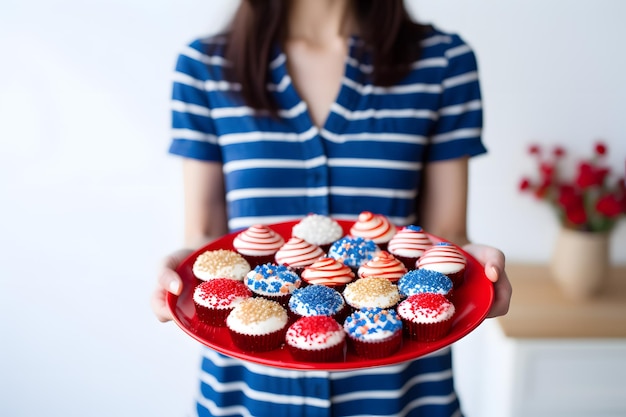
(493, 260)
(167, 281)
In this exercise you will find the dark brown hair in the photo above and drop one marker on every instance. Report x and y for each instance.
(385, 26)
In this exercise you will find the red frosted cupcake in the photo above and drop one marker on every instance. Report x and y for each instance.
(426, 317)
(216, 298)
(316, 339)
(297, 254)
(408, 245)
(384, 265)
(375, 227)
(373, 332)
(257, 325)
(446, 258)
(329, 272)
(258, 244)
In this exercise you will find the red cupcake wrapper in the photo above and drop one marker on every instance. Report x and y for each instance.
(426, 332)
(457, 278)
(258, 343)
(330, 354)
(212, 316)
(376, 349)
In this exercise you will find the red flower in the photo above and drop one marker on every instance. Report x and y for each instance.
(609, 206)
(587, 201)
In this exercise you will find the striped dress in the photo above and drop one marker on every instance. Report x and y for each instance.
(368, 155)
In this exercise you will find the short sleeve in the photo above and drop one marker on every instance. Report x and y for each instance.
(193, 129)
(458, 130)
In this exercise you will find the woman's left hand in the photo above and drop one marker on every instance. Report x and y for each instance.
(493, 260)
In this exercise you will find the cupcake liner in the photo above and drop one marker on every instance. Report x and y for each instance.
(426, 332)
(212, 316)
(457, 278)
(408, 262)
(258, 343)
(255, 261)
(330, 354)
(376, 349)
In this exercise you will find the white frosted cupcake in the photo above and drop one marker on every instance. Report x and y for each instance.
(370, 293)
(375, 227)
(318, 229)
(384, 265)
(316, 339)
(426, 317)
(220, 263)
(258, 244)
(257, 325)
(297, 254)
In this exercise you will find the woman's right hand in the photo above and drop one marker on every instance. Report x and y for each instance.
(167, 281)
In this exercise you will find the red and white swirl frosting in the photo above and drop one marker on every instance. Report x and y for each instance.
(384, 265)
(258, 240)
(328, 271)
(298, 252)
(375, 227)
(410, 242)
(442, 257)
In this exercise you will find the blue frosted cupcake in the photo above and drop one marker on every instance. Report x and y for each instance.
(318, 300)
(353, 251)
(274, 282)
(373, 332)
(424, 280)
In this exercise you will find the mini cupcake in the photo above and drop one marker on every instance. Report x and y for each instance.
(258, 244)
(328, 272)
(220, 263)
(319, 230)
(426, 317)
(216, 298)
(353, 251)
(275, 282)
(424, 280)
(374, 333)
(384, 265)
(370, 293)
(318, 300)
(375, 227)
(408, 244)
(257, 325)
(297, 254)
(446, 258)
(316, 339)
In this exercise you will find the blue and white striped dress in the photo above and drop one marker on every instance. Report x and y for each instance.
(368, 156)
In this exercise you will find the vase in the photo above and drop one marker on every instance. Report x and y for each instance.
(580, 263)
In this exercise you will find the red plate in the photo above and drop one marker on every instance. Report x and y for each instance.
(472, 300)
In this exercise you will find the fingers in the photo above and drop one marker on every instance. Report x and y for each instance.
(494, 263)
(167, 281)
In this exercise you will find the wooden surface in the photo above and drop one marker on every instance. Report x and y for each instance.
(539, 310)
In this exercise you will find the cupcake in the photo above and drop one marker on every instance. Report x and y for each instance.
(384, 265)
(316, 339)
(216, 298)
(373, 332)
(426, 317)
(375, 227)
(257, 325)
(446, 258)
(408, 244)
(220, 263)
(297, 254)
(319, 230)
(353, 251)
(258, 244)
(424, 280)
(370, 293)
(275, 282)
(317, 300)
(329, 272)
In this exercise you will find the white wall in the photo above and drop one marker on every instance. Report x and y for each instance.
(90, 200)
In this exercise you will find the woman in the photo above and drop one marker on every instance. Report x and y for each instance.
(330, 107)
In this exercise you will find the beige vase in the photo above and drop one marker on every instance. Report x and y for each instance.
(580, 263)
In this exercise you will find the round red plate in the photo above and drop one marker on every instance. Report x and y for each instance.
(472, 300)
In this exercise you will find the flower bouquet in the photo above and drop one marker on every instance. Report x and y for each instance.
(588, 201)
